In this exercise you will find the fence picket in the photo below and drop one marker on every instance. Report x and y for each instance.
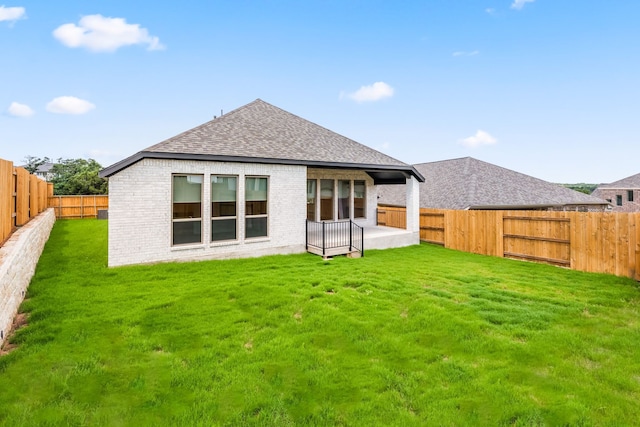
(602, 242)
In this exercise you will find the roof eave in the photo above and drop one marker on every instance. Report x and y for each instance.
(123, 164)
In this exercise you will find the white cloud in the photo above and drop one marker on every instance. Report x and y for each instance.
(69, 105)
(374, 92)
(519, 4)
(20, 110)
(11, 13)
(490, 11)
(462, 53)
(101, 34)
(480, 138)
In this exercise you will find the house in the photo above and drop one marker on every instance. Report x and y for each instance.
(44, 171)
(255, 181)
(624, 195)
(468, 183)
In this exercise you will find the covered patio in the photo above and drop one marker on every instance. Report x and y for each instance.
(329, 239)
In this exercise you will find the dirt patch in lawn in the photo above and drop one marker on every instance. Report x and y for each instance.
(20, 321)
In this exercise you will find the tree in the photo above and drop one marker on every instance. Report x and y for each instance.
(78, 176)
(582, 187)
(32, 163)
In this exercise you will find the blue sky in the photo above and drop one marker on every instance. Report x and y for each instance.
(547, 88)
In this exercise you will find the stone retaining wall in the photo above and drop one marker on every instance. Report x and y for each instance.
(18, 259)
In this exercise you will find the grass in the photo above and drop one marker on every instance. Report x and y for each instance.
(412, 336)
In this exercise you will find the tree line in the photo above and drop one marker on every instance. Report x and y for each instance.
(71, 176)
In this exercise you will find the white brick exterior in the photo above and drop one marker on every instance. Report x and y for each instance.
(18, 259)
(140, 212)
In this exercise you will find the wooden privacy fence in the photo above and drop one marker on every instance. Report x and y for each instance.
(72, 207)
(22, 197)
(393, 217)
(599, 242)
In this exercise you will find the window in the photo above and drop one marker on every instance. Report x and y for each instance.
(344, 197)
(630, 195)
(311, 199)
(224, 190)
(326, 199)
(619, 200)
(359, 199)
(187, 209)
(255, 207)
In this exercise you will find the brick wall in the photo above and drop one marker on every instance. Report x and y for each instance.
(140, 212)
(612, 193)
(18, 259)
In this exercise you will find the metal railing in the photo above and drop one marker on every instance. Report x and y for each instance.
(325, 236)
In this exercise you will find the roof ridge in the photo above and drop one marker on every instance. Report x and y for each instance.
(265, 132)
(444, 160)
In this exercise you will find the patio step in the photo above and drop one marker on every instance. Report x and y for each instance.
(329, 253)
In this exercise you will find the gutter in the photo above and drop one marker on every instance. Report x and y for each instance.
(123, 164)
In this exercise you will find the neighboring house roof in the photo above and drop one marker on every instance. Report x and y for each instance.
(44, 168)
(468, 183)
(628, 183)
(260, 132)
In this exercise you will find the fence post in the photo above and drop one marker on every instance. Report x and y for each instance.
(323, 244)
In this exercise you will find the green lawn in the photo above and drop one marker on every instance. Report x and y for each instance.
(411, 336)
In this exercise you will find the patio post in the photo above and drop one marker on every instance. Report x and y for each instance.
(413, 206)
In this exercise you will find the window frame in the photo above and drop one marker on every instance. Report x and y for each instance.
(314, 212)
(618, 199)
(254, 216)
(342, 208)
(175, 220)
(364, 199)
(630, 195)
(333, 199)
(223, 217)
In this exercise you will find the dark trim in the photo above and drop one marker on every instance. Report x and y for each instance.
(406, 170)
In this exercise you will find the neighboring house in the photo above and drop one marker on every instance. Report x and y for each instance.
(44, 171)
(468, 183)
(251, 182)
(624, 195)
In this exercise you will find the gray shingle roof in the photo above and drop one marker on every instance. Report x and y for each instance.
(260, 130)
(628, 183)
(468, 183)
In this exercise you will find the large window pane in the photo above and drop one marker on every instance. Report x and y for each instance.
(344, 196)
(224, 193)
(359, 199)
(256, 205)
(223, 229)
(187, 196)
(186, 232)
(256, 227)
(326, 199)
(311, 199)
(187, 209)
